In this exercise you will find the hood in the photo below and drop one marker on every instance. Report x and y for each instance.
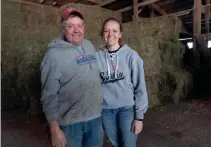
(61, 43)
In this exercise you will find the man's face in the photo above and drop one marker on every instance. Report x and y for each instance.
(74, 30)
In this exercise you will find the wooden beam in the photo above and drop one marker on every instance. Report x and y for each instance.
(180, 13)
(105, 2)
(94, 1)
(160, 10)
(207, 16)
(54, 3)
(139, 5)
(135, 10)
(139, 11)
(30, 3)
(166, 2)
(184, 12)
(41, 1)
(197, 17)
(74, 1)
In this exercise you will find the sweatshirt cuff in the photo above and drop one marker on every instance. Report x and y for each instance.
(139, 115)
(52, 117)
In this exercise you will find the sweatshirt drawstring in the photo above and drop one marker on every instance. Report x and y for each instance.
(117, 64)
(108, 66)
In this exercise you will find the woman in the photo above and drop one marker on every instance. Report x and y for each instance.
(124, 90)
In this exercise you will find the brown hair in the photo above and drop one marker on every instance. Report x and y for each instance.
(120, 27)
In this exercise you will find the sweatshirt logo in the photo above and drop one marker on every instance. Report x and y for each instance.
(114, 77)
(106, 79)
(82, 59)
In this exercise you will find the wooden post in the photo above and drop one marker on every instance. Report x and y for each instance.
(197, 17)
(207, 15)
(196, 31)
(135, 10)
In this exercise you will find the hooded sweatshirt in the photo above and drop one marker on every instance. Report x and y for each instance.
(123, 81)
(71, 88)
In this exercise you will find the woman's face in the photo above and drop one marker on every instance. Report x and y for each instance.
(112, 33)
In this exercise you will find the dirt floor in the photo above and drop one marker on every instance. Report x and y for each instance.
(186, 124)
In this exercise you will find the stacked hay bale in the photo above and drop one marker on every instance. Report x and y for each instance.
(26, 31)
(156, 40)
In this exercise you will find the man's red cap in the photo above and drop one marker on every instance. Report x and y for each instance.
(66, 13)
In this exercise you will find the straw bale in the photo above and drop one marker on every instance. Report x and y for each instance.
(152, 90)
(184, 82)
(164, 27)
(27, 29)
(25, 36)
(156, 41)
(171, 53)
(148, 50)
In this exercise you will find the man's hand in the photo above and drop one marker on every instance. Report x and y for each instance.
(137, 126)
(57, 136)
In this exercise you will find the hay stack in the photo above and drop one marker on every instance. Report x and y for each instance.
(156, 40)
(27, 29)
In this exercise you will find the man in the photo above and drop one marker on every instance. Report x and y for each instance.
(71, 87)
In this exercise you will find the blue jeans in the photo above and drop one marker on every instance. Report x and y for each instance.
(117, 124)
(84, 134)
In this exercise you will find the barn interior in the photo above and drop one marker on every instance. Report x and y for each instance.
(171, 36)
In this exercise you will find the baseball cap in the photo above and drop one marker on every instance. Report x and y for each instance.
(66, 13)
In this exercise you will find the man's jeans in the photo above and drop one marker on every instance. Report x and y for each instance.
(84, 134)
(118, 124)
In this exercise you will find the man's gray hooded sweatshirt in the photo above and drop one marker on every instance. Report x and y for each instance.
(122, 76)
(71, 88)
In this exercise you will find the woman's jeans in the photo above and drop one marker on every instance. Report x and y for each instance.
(117, 124)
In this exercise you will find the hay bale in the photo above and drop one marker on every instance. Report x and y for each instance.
(156, 41)
(184, 82)
(152, 90)
(146, 48)
(25, 37)
(174, 85)
(171, 53)
(27, 29)
(166, 86)
(164, 27)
